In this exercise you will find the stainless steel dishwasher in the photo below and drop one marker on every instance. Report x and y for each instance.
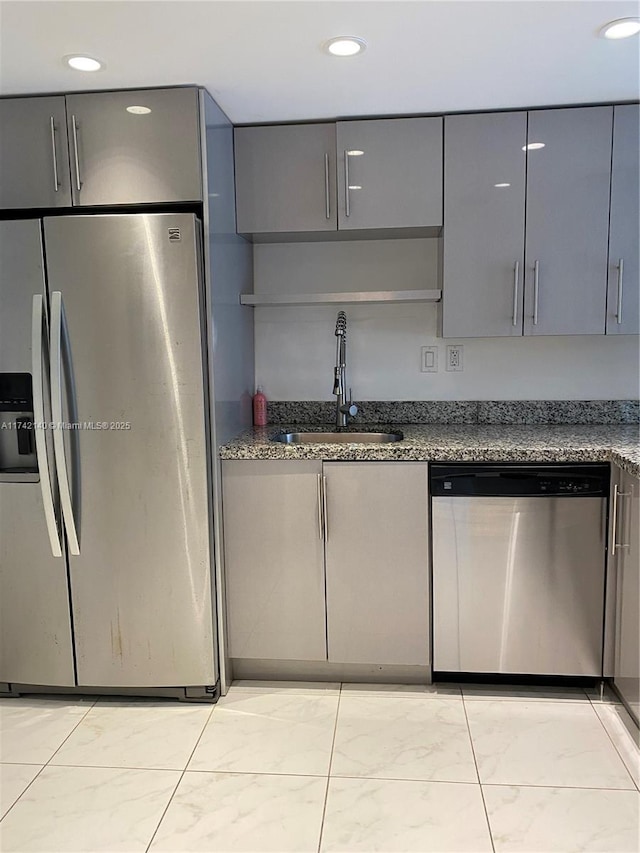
(519, 568)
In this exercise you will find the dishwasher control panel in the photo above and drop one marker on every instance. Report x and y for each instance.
(516, 480)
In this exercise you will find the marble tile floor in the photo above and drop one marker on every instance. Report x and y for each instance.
(294, 767)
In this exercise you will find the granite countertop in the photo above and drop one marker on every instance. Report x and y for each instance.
(455, 443)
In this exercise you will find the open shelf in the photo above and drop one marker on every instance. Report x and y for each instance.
(355, 297)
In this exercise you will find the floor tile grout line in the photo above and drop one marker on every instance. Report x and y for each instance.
(619, 754)
(46, 764)
(177, 785)
(475, 761)
(326, 790)
(556, 787)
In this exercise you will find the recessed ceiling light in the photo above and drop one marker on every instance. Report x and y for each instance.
(345, 45)
(355, 152)
(355, 187)
(502, 185)
(533, 146)
(621, 29)
(139, 111)
(84, 63)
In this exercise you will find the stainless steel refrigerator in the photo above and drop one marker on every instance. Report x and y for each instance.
(105, 511)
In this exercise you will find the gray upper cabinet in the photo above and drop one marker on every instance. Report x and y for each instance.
(34, 165)
(119, 156)
(274, 559)
(567, 221)
(623, 310)
(484, 204)
(390, 173)
(286, 178)
(377, 562)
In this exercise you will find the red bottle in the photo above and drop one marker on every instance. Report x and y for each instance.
(259, 408)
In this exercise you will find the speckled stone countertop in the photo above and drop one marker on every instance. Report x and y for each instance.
(456, 443)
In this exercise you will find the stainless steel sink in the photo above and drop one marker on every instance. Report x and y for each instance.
(337, 437)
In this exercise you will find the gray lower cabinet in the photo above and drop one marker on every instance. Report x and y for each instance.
(389, 173)
(34, 164)
(567, 222)
(120, 155)
(484, 203)
(274, 559)
(286, 178)
(626, 545)
(377, 559)
(366, 523)
(623, 310)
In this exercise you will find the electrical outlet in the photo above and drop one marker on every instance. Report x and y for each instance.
(454, 357)
(429, 359)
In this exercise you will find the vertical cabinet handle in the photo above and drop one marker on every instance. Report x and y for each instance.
(347, 200)
(320, 509)
(616, 546)
(57, 325)
(76, 158)
(324, 509)
(536, 291)
(327, 198)
(38, 330)
(56, 182)
(516, 273)
(619, 300)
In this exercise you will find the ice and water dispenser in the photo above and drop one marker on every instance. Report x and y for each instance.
(17, 441)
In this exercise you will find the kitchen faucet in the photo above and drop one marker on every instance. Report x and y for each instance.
(344, 410)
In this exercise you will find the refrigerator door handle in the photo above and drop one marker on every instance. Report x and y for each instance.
(58, 323)
(38, 330)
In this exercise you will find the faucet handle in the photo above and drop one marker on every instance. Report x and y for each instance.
(352, 408)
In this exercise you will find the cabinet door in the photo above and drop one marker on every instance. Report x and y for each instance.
(623, 310)
(34, 166)
(123, 157)
(390, 173)
(567, 221)
(627, 670)
(377, 562)
(285, 178)
(274, 564)
(484, 184)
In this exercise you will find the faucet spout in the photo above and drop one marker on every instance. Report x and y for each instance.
(344, 409)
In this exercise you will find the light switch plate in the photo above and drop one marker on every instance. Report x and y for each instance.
(429, 359)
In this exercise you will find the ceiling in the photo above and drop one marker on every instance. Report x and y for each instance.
(262, 59)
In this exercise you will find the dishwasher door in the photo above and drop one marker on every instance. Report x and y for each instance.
(518, 585)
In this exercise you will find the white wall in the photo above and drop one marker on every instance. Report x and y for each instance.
(295, 346)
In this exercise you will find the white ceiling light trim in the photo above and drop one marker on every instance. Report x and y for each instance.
(345, 46)
(623, 28)
(80, 62)
(139, 110)
(533, 146)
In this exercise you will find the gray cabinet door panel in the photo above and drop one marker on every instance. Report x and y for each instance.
(286, 178)
(483, 236)
(627, 667)
(567, 220)
(274, 559)
(34, 164)
(141, 585)
(398, 174)
(624, 245)
(129, 158)
(377, 562)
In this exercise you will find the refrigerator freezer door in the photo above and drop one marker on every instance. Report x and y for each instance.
(35, 625)
(141, 585)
